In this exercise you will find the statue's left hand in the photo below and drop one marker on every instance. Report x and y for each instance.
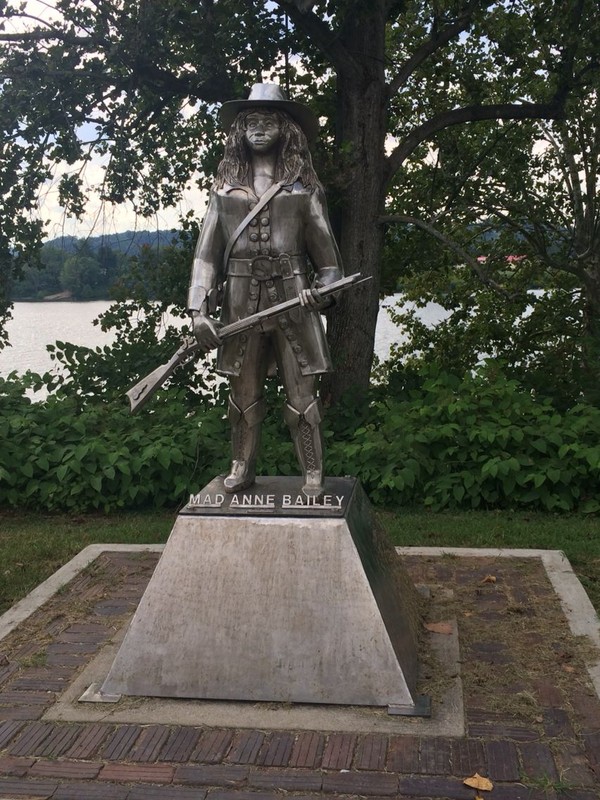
(311, 300)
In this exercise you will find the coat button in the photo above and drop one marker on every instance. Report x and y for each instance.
(283, 323)
(254, 237)
(254, 222)
(264, 220)
(264, 237)
(303, 362)
(243, 337)
(253, 282)
(268, 284)
(297, 348)
(237, 364)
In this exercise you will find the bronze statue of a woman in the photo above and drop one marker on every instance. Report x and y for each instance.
(266, 238)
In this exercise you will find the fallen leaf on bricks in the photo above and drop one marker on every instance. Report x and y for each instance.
(439, 627)
(479, 782)
(489, 579)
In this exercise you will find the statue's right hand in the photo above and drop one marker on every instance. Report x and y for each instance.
(206, 331)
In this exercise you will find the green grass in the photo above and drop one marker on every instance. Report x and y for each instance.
(32, 546)
(577, 536)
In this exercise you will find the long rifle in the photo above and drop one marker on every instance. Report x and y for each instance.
(144, 389)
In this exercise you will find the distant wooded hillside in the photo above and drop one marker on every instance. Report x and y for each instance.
(128, 242)
(86, 269)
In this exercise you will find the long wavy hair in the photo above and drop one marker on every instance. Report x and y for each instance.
(294, 162)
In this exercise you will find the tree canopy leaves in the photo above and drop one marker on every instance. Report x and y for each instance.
(136, 83)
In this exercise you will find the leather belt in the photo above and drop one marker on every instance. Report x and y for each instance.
(265, 268)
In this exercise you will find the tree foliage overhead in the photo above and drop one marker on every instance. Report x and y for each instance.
(137, 83)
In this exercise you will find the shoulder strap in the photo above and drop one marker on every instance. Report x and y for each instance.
(248, 218)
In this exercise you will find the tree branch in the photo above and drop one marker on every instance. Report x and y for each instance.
(322, 36)
(437, 40)
(446, 240)
(458, 116)
(38, 36)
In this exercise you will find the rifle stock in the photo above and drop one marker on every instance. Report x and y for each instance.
(142, 391)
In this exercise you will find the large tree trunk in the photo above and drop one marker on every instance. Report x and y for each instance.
(361, 129)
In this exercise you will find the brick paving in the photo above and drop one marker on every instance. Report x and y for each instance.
(532, 720)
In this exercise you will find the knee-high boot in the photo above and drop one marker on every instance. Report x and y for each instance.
(305, 427)
(245, 438)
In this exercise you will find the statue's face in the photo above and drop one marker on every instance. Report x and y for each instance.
(262, 131)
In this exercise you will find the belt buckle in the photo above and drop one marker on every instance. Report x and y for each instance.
(262, 267)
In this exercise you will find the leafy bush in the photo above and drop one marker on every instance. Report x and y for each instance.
(442, 442)
(475, 442)
(59, 456)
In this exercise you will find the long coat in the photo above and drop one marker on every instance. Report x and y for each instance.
(285, 246)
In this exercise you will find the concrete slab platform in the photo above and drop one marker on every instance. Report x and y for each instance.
(447, 713)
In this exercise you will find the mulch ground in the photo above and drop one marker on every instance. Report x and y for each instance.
(532, 718)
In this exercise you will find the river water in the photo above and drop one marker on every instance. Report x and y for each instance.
(35, 325)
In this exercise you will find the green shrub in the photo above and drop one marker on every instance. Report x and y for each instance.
(475, 442)
(56, 455)
(443, 442)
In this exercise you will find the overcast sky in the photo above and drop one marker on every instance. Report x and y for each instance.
(100, 218)
(105, 218)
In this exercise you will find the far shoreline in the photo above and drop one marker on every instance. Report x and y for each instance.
(63, 297)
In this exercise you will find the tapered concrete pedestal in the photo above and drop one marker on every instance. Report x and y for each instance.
(258, 596)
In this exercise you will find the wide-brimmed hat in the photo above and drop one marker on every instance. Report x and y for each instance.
(270, 95)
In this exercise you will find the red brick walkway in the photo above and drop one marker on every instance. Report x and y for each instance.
(550, 751)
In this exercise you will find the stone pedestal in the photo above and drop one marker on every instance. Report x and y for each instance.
(259, 596)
